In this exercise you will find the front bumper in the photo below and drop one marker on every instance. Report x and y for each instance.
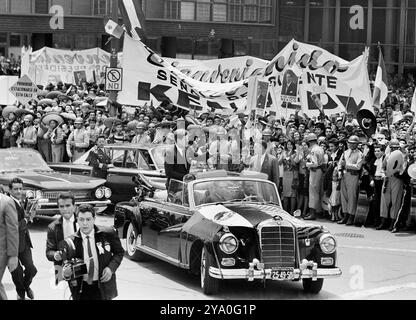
(306, 271)
(51, 208)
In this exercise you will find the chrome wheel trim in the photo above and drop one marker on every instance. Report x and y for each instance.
(131, 240)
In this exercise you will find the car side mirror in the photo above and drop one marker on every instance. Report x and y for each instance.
(297, 214)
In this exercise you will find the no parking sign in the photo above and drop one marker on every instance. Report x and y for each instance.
(114, 79)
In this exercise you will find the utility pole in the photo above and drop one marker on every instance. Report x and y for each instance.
(114, 58)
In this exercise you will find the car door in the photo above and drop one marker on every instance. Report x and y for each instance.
(176, 215)
(119, 178)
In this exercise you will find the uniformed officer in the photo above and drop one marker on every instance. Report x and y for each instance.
(392, 194)
(99, 159)
(29, 136)
(141, 136)
(315, 161)
(349, 168)
(78, 140)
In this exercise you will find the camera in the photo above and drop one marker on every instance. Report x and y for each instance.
(78, 269)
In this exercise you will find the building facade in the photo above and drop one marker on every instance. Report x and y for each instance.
(203, 29)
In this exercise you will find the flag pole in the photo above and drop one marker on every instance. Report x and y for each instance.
(114, 58)
(385, 109)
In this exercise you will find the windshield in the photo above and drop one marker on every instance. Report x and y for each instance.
(235, 191)
(114, 154)
(158, 155)
(15, 160)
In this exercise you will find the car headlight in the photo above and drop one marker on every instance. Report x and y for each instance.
(99, 193)
(328, 244)
(30, 194)
(38, 194)
(108, 193)
(228, 243)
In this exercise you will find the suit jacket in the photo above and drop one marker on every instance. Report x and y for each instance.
(111, 259)
(270, 167)
(9, 228)
(176, 165)
(97, 157)
(24, 236)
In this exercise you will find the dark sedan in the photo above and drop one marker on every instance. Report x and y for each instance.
(128, 160)
(44, 184)
(227, 226)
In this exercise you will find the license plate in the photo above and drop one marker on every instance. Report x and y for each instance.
(283, 274)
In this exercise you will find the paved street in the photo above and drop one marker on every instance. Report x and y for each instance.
(375, 264)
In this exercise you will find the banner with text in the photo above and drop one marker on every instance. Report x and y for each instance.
(52, 65)
(294, 75)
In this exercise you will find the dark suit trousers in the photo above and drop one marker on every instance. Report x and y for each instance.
(23, 279)
(90, 292)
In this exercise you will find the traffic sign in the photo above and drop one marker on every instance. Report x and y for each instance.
(114, 79)
(24, 90)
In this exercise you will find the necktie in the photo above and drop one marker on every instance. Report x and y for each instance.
(91, 267)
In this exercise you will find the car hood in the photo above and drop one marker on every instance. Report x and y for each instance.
(55, 180)
(248, 215)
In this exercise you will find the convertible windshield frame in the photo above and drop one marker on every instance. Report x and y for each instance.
(191, 187)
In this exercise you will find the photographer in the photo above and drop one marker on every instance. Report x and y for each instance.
(94, 278)
(60, 230)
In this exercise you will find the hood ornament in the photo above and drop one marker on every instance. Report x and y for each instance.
(278, 219)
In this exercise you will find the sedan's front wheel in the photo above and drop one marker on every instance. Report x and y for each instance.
(209, 285)
(133, 238)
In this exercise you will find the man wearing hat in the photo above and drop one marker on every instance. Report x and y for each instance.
(176, 162)
(99, 159)
(55, 135)
(141, 136)
(392, 194)
(350, 169)
(314, 163)
(78, 140)
(29, 136)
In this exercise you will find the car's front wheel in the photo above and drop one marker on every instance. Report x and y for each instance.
(133, 239)
(310, 286)
(209, 285)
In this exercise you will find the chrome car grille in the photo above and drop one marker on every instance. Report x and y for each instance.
(53, 195)
(277, 244)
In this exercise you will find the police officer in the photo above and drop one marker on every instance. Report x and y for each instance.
(29, 136)
(78, 140)
(350, 168)
(99, 159)
(314, 163)
(392, 194)
(141, 136)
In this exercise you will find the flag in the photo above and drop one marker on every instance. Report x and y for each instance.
(133, 18)
(413, 106)
(113, 29)
(380, 85)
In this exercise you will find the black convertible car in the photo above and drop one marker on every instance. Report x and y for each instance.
(128, 160)
(223, 226)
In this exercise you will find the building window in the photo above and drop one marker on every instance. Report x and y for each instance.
(3, 6)
(20, 6)
(15, 40)
(85, 41)
(81, 7)
(250, 11)
(203, 10)
(187, 10)
(265, 14)
(172, 10)
(292, 20)
(102, 7)
(42, 6)
(219, 10)
(63, 40)
(3, 37)
(236, 11)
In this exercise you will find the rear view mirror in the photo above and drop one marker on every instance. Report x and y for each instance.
(297, 214)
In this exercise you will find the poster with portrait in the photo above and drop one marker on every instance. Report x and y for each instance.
(262, 95)
(80, 77)
(290, 86)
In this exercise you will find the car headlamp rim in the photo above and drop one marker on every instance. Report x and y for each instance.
(31, 194)
(107, 192)
(324, 239)
(222, 243)
(99, 193)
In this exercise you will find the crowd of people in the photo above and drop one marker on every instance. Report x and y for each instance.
(322, 165)
(10, 66)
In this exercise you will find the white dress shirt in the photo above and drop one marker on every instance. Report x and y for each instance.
(68, 227)
(94, 254)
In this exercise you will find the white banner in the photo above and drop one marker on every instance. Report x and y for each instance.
(6, 97)
(148, 77)
(52, 65)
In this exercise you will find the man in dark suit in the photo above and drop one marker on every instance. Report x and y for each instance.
(99, 159)
(290, 85)
(176, 163)
(100, 248)
(9, 239)
(60, 229)
(22, 279)
(265, 163)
